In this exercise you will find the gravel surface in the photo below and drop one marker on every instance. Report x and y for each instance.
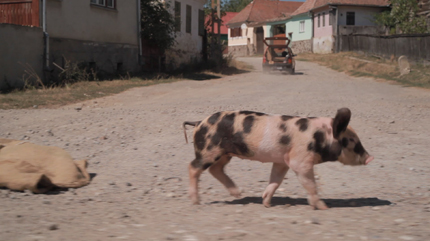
(138, 158)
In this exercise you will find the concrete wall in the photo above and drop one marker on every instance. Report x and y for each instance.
(80, 20)
(22, 46)
(323, 45)
(188, 46)
(109, 58)
(82, 32)
(363, 15)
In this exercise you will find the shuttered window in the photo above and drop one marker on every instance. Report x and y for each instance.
(323, 18)
(235, 32)
(177, 16)
(201, 22)
(188, 20)
(104, 3)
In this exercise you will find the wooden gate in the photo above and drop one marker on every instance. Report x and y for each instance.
(20, 12)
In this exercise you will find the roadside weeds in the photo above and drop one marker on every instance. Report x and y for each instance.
(360, 65)
(52, 97)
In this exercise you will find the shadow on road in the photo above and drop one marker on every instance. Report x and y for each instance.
(332, 203)
(207, 76)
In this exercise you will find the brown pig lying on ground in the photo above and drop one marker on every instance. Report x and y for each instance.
(286, 141)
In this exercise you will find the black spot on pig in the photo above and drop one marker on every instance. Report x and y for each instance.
(286, 117)
(285, 140)
(311, 146)
(206, 165)
(247, 112)
(200, 137)
(302, 123)
(197, 162)
(283, 127)
(345, 142)
(214, 118)
(248, 122)
(209, 147)
(236, 145)
(327, 151)
(359, 149)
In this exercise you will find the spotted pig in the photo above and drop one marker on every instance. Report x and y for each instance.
(287, 141)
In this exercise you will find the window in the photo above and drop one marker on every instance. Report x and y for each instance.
(201, 22)
(350, 18)
(188, 20)
(323, 18)
(104, 3)
(319, 19)
(177, 16)
(330, 14)
(302, 27)
(235, 32)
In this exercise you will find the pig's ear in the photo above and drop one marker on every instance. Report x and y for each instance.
(341, 121)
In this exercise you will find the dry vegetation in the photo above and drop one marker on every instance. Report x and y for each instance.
(361, 65)
(85, 90)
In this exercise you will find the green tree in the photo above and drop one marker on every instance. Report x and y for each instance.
(235, 5)
(403, 16)
(157, 24)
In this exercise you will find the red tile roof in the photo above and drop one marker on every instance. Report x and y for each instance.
(313, 4)
(259, 11)
(227, 17)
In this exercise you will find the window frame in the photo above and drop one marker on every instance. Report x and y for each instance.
(323, 19)
(319, 20)
(188, 18)
(348, 18)
(236, 32)
(201, 22)
(177, 16)
(302, 26)
(103, 3)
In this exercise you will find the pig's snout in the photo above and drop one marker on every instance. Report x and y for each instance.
(368, 159)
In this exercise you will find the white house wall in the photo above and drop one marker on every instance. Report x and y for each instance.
(243, 45)
(101, 37)
(188, 46)
(363, 15)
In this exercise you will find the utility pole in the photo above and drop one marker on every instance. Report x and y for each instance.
(216, 50)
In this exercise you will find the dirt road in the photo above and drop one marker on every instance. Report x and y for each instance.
(137, 152)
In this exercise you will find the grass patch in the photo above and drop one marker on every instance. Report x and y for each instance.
(87, 90)
(360, 65)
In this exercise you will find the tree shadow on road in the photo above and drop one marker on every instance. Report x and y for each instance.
(332, 203)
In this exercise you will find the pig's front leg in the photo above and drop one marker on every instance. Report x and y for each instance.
(307, 179)
(276, 176)
(304, 169)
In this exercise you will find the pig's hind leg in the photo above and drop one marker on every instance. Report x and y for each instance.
(194, 174)
(217, 170)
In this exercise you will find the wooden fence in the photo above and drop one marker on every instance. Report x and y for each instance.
(20, 12)
(415, 46)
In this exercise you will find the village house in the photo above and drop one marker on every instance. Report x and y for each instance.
(223, 28)
(259, 19)
(45, 35)
(334, 18)
(190, 30)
